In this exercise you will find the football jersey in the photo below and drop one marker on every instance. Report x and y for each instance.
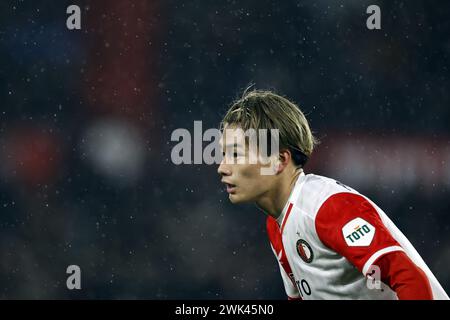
(327, 241)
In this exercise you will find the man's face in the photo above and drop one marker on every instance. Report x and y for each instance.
(241, 168)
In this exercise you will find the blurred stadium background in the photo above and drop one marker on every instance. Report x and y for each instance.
(86, 118)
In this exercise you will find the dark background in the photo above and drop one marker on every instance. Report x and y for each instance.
(86, 117)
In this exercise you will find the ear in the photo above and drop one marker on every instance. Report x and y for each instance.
(284, 158)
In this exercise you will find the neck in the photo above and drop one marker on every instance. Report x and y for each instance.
(274, 201)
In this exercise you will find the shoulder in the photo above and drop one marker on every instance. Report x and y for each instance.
(338, 203)
(317, 190)
(344, 209)
(336, 209)
(351, 225)
(346, 220)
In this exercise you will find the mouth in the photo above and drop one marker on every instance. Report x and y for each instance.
(231, 188)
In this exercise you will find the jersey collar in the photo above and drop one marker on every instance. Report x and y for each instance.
(282, 218)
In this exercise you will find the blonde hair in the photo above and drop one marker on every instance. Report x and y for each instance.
(259, 109)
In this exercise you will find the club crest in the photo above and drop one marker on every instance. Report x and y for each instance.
(304, 250)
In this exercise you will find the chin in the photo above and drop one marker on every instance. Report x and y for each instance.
(235, 199)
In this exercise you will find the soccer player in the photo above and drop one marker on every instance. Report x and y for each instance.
(331, 242)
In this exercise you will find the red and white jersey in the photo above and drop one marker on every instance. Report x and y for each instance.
(329, 237)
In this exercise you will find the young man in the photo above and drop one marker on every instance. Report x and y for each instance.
(330, 241)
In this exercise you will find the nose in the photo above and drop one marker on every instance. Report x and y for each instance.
(224, 169)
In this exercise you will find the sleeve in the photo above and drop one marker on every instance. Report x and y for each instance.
(348, 224)
(404, 277)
